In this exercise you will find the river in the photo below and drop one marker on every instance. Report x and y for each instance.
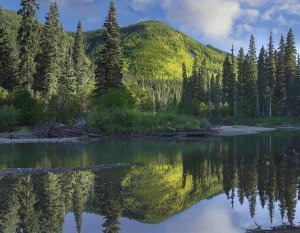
(218, 184)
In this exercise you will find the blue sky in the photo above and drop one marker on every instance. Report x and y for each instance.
(216, 22)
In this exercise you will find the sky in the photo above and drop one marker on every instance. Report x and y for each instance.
(220, 23)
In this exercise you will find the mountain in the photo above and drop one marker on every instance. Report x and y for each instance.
(151, 49)
(154, 50)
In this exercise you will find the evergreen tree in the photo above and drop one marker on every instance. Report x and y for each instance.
(297, 90)
(67, 82)
(262, 82)
(279, 92)
(228, 84)
(8, 79)
(216, 93)
(49, 67)
(79, 56)
(240, 74)
(27, 40)
(109, 71)
(185, 101)
(290, 71)
(271, 72)
(248, 92)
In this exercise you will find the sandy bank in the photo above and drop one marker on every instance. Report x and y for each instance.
(239, 130)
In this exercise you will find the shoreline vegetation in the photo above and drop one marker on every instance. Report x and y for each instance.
(47, 75)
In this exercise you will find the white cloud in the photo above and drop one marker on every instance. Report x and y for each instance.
(141, 5)
(255, 3)
(291, 7)
(251, 14)
(212, 18)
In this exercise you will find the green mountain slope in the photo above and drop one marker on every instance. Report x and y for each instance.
(154, 50)
(151, 49)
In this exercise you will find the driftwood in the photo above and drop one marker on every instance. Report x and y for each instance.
(199, 134)
(63, 131)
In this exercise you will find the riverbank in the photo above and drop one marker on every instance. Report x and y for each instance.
(239, 130)
(32, 137)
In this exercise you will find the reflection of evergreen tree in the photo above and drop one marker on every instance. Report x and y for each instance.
(290, 189)
(81, 187)
(27, 200)
(50, 203)
(8, 205)
(109, 198)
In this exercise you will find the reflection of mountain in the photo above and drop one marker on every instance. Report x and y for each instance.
(153, 193)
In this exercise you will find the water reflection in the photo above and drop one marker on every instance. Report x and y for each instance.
(257, 171)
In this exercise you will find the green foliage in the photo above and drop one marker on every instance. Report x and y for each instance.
(290, 71)
(119, 98)
(109, 74)
(9, 117)
(51, 55)
(133, 121)
(4, 96)
(28, 41)
(8, 76)
(32, 110)
(262, 84)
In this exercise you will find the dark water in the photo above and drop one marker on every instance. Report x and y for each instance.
(210, 185)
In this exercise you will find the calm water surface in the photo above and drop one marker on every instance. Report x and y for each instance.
(209, 185)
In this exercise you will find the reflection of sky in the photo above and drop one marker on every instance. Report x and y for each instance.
(209, 216)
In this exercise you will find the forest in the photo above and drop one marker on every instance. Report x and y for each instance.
(114, 81)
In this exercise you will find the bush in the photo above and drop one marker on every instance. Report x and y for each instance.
(120, 98)
(9, 117)
(134, 121)
(3, 96)
(32, 110)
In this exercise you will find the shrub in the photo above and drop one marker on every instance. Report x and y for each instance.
(134, 121)
(3, 96)
(120, 98)
(32, 110)
(9, 117)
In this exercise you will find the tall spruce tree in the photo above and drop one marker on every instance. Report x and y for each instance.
(109, 71)
(271, 72)
(216, 93)
(262, 83)
(240, 75)
(79, 55)
(50, 58)
(228, 84)
(290, 71)
(67, 82)
(279, 92)
(297, 90)
(250, 90)
(27, 40)
(8, 79)
(185, 101)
